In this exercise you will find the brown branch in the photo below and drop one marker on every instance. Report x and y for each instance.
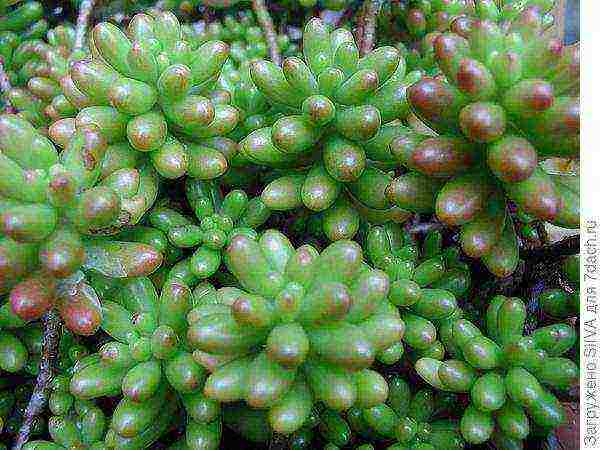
(567, 246)
(5, 87)
(366, 35)
(266, 23)
(39, 397)
(83, 19)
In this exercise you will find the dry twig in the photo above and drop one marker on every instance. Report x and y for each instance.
(39, 397)
(367, 25)
(83, 18)
(5, 87)
(266, 23)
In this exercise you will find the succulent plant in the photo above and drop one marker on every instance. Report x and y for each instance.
(147, 362)
(145, 88)
(247, 43)
(506, 102)
(52, 207)
(241, 33)
(420, 17)
(562, 302)
(14, 353)
(140, 168)
(506, 374)
(220, 219)
(291, 4)
(416, 421)
(22, 18)
(73, 423)
(13, 400)
(322, 319)
(38, 66)
(425, 284)
(420, 22)
(337, 103)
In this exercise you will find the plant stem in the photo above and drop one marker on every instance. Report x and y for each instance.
(567, 246)
(39, 397)
(366, 36)
(425, 227)
(559, 12)
(83, 19)
(266, 23)
(5, 87)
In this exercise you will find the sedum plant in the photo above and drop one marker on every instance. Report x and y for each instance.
(247, 43)
(81, 426)
(149, 364)
(148, 88)
(15, 351)
(302, 327)
(334, 105)
(55, 208)
(16, 386)
(220, 219)
(26, 18)
(507, 375)
(13, 401)
(39, 66)
(73, 424)
(335, 5)
(425, 285)
(422, 21)
(507, 101)
(420, 17)
(415, 421)
(241, 33)
(563, 302)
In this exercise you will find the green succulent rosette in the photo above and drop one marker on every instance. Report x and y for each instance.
(54, 210)
(148, 363)
(38, 66)
(247, 43)
(241, 33)
(149, 88)
(406, 421)
(415, 24)
(416, 421)
(508, 100)
(302, 327)
(219, 219)
(426, 284)
(335, 107)
(508, 376)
